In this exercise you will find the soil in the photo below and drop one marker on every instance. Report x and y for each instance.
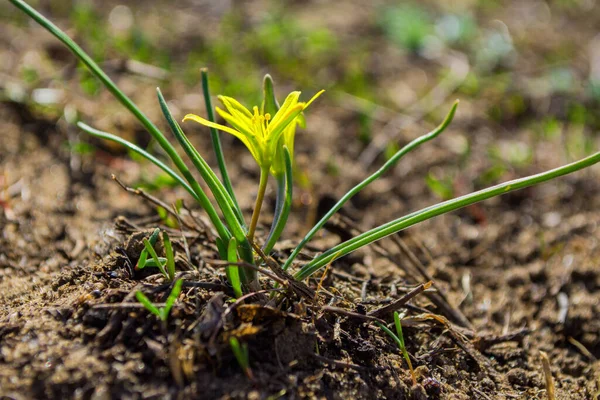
(513, 277)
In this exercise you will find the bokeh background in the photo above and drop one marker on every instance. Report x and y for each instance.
(526, 72)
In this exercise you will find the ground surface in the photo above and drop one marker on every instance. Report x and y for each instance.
(513, 276)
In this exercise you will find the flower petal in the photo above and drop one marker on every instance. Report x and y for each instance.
(290, 101)
(313, 98)
(277, 129)
(249, 143)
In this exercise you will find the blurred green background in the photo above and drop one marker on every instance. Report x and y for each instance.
(527, 72)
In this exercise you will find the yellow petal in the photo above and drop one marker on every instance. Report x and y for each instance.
(276, 130)
(313, 98)
(290, 101)
(232, 104)
(237, 134)
(236, 123)
(237, 111)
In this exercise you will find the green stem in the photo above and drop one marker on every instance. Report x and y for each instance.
(399, 224)
(262, 187)
(280, 199)
(376, 175)
(216, 143)
(284, 203)
(233, 271)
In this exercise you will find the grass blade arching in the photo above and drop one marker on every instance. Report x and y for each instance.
(402, 223)
(114, 138)
(128, 103)
(216, 141)
(377, 174)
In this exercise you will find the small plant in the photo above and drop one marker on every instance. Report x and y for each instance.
(398, 324)
(240, 351)
(143, 260)
(268, 132)
(163, 312)
(166, 265)
(399, 339)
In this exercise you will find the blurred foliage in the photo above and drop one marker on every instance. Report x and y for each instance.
(515, 78)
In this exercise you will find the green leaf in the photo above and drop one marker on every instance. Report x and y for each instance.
(151, 263)
(216, 141)
(141, 297)
(284, 202)
(113, 138)
(171, 299)
(233, 272)
(141, 264)
(170, 256)
(150, 249)
(356, 189)
(130, 105)
(414, 218)
(232, 216)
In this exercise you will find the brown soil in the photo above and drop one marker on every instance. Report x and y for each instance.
(513, 277)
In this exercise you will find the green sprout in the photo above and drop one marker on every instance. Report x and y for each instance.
(161, 312)
(166, 265)
(240, 351)
(268, 133)
(398, 337)
(142, 261)
(398, 324)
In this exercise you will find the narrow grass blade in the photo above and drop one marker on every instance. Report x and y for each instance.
(152, 263)
(352, 192)
(141, 264)
(126, 101)
(398, 325)
(241, 354)
(150, 249)
(171, 299)
(390, 333)
(216, 141)
(170, 256)
(399, 224)
(284, 203)
(233, 272)
(114, 138)
(222, 197)
(141, 297)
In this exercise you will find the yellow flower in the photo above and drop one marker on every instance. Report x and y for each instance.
(287, 139)
(260, 132)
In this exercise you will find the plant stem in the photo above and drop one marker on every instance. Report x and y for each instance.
(262, 187)
(284, 202)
